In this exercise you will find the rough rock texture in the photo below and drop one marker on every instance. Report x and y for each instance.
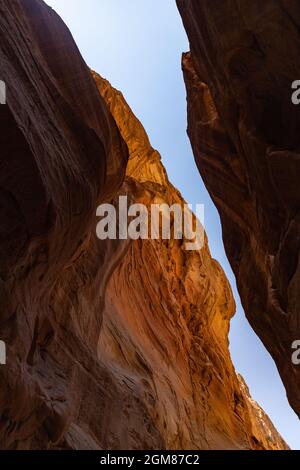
(111, 344)
(245, 135)
(166, 322)
(61, 155)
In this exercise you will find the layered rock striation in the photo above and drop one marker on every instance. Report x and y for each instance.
(112, 344)
(244, 131)
(166, 322)
(61, 155)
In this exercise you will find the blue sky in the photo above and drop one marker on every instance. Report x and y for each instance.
(137, 46)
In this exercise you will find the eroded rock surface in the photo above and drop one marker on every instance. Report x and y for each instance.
(166, 322)
(244, 131)
(61, 155)
(111, 344)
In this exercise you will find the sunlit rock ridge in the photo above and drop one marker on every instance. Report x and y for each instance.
(114, 344)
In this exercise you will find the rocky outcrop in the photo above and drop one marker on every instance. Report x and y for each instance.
(244, 132)
(114, 343)
(166, 322)
(61, 155)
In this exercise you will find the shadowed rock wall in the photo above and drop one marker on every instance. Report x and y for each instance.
(111, 344)
(244, 131)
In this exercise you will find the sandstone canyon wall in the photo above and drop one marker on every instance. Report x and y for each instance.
(244, 131)
(111, 344)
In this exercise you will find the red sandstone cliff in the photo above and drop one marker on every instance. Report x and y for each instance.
(111, 344)
(244, 131)
(166, 322)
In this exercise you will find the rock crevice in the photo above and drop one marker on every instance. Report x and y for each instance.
(114, 344)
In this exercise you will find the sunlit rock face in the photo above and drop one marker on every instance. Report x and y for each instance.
(244, 131)
(166, 320)
(110, 344)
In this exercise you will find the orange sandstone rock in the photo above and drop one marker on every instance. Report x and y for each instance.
(113, 344)
(244, 129)
(166, 322)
